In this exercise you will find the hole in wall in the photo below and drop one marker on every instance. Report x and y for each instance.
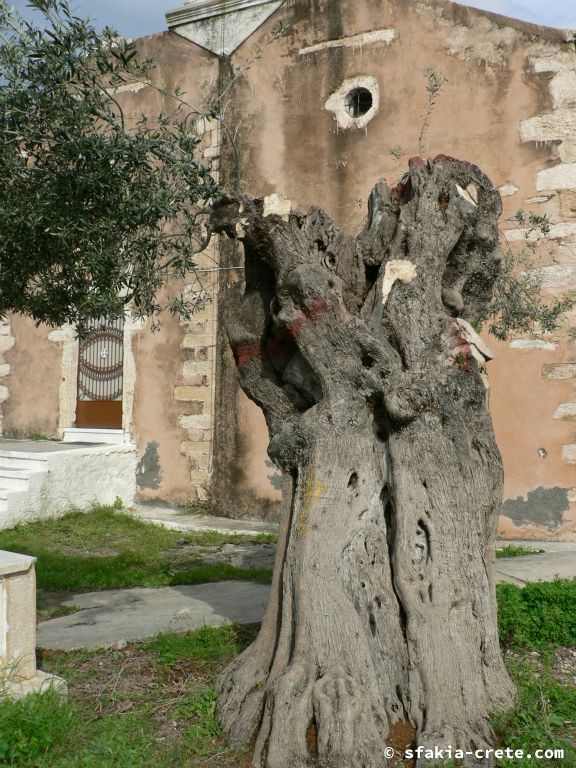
(355, 103)
(358, 102)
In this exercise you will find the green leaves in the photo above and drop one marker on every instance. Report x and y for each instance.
(517, 306)
(98, 207)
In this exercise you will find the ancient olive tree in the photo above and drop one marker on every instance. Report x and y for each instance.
(362, 354)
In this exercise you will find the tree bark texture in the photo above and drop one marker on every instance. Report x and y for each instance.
(362, 355)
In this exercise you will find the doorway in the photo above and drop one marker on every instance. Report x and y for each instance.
(100, 375)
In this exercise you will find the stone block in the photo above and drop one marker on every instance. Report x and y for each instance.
(196, 326)
(567, 204)
(569, 454)
(557, 276)
(566, 412)
(552, 126)
(190, 367)
(559, 177)
(187, 393)
(545, 346)
(197, 379)
(567, 151)
(558, 372)
(6, 343)
(18, 673)
(196, 421)
(197, 435)
(557, 232)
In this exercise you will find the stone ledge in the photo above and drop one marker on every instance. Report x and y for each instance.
(41, 683)
(12, 563)
(195, 10)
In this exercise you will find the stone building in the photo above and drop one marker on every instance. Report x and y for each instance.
(324, 97)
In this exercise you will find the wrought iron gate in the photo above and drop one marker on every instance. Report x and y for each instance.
(100, 375)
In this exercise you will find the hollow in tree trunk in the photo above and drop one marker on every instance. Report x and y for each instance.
(362, 354)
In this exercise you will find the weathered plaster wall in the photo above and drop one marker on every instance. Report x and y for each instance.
(507, 83)
(32, 403)
(173, 391)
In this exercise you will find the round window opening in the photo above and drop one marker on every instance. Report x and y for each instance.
(358, 102)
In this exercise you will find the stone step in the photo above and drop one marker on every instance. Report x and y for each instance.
(94, 436)
(14, 479)
(23, 461)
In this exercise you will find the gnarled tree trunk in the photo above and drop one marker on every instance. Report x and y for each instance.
(361, 352)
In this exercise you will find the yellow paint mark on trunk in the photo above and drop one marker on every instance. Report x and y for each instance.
(313, 491)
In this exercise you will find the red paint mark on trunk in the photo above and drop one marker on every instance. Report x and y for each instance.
(317, 308)
(245, 352)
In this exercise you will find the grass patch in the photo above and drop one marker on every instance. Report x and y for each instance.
(515, 551)
(108, 549)
(150, 705)
(540, 615)
(543, 717)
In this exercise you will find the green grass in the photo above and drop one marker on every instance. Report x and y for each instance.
(535, 623)
(540, 615)
(512, 551)
(151, 705)
(543, 716)
(107, 549)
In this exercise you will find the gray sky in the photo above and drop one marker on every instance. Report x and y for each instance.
(134, 18)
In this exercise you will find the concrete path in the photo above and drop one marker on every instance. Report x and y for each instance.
(115, 617)
(177, 520)
(558, 559)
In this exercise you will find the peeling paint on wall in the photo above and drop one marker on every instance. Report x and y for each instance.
(148, 472)
(543, 507)
(276, 477)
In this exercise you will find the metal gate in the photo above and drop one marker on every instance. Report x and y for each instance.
(100, 375)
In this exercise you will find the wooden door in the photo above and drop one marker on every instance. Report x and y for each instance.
(100, 375)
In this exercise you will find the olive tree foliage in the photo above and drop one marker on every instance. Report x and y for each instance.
(98, 210)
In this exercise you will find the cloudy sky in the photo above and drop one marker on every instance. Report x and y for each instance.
(134, 18)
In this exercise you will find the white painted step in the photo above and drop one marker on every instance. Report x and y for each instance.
(14, 479)
(23, 461)
(81, 435)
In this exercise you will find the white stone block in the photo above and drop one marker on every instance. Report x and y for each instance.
(567, 151)
(557, 276)
(562, 176)
(553, 126)
(385, 36)
(569, 454)
(508, 189)
(18, 673)
(6, 343)
(200, 421)
(563, 89)
(546, 346)
(557, 232)
(566, 412)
